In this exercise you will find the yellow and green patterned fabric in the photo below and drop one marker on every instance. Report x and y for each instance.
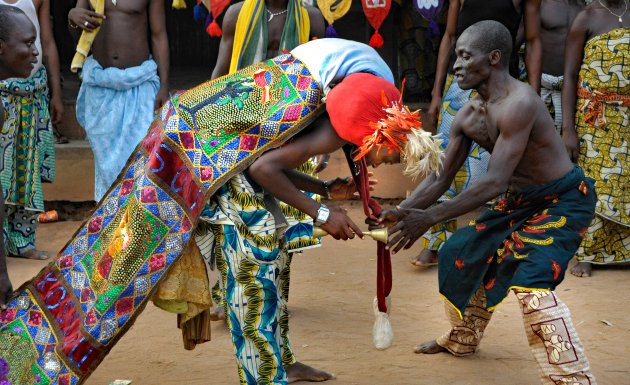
(602, 121)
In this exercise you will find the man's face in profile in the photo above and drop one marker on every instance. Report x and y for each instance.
(472, 66)
(18, 52)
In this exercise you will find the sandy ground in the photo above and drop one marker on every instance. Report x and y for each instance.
(331, 322)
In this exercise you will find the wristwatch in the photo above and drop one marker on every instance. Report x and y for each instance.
(322, 215)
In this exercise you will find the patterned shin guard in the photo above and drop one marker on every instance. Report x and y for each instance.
(553, 340)
(465, 334)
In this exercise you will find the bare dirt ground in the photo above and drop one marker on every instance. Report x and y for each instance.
(331, 322)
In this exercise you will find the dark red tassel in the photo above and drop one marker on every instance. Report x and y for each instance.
(214, 29)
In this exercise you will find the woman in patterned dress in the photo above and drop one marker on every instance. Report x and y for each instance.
(596, 128)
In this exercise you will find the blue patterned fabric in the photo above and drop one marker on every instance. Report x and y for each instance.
(255, 280)
(115, 107)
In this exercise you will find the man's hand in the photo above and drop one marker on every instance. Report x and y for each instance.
(339, 225)
(434, 110)
(5, 290)
(388, 218)
(161, 98)
(321, 162)
(84, 19)
(570, 139)
(407, 231)
(56, 109)
(344, 188)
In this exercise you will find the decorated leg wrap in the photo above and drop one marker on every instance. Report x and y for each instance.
(465, 334)
(553, 339)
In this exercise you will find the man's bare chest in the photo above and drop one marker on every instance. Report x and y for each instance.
(480, 126)
(126, 8)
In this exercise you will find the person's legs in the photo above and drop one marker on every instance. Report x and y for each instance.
(19, 233)
(432, 241)
(605, 242)
(255, 310)
(553, 339)
(465, 334)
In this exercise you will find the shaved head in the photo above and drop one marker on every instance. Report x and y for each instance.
(490, 35)
(8, 20)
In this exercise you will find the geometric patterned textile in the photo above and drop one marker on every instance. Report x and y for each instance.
(476, 164)
(525, 242)
(27, 148)
(61, 324)
(602, 121)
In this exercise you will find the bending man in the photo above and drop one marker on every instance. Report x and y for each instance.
(197, 152)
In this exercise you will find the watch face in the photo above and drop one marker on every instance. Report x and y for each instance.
(322, 215)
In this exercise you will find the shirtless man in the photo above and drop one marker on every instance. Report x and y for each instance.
(18, 56)
(448, 97)
(275, 27)
(525, 242)
(555, 18)
(124, 81)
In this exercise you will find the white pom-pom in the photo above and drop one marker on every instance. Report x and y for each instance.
(382, 332)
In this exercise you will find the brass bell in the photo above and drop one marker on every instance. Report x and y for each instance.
(376, 234)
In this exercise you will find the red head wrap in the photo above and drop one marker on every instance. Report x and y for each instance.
(366, 110)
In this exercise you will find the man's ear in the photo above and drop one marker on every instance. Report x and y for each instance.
(2, 46)
(494, 56)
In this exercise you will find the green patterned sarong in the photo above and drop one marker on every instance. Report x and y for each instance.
(28, 151)
(525, 242)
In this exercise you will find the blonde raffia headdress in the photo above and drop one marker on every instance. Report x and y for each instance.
(367, 110)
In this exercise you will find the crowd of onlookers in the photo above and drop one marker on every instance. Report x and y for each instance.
(125, 79)
(575, 56)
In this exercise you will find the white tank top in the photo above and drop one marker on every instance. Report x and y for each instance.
(28, 8)
(333, 59)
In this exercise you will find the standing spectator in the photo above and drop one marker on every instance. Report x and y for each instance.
(461, 15)
(288, 23)
(555, 19)
(18, 53)
(596, 129)
(122, 85)
(27, 135)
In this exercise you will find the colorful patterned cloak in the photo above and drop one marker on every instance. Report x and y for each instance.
(62, 323)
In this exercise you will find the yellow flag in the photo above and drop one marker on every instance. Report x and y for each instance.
(333, 10)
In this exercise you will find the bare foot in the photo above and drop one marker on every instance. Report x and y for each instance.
(217, 313)
(581, 269)
(33, 254)
(302, 372)
(426, 258)
(429, 347)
